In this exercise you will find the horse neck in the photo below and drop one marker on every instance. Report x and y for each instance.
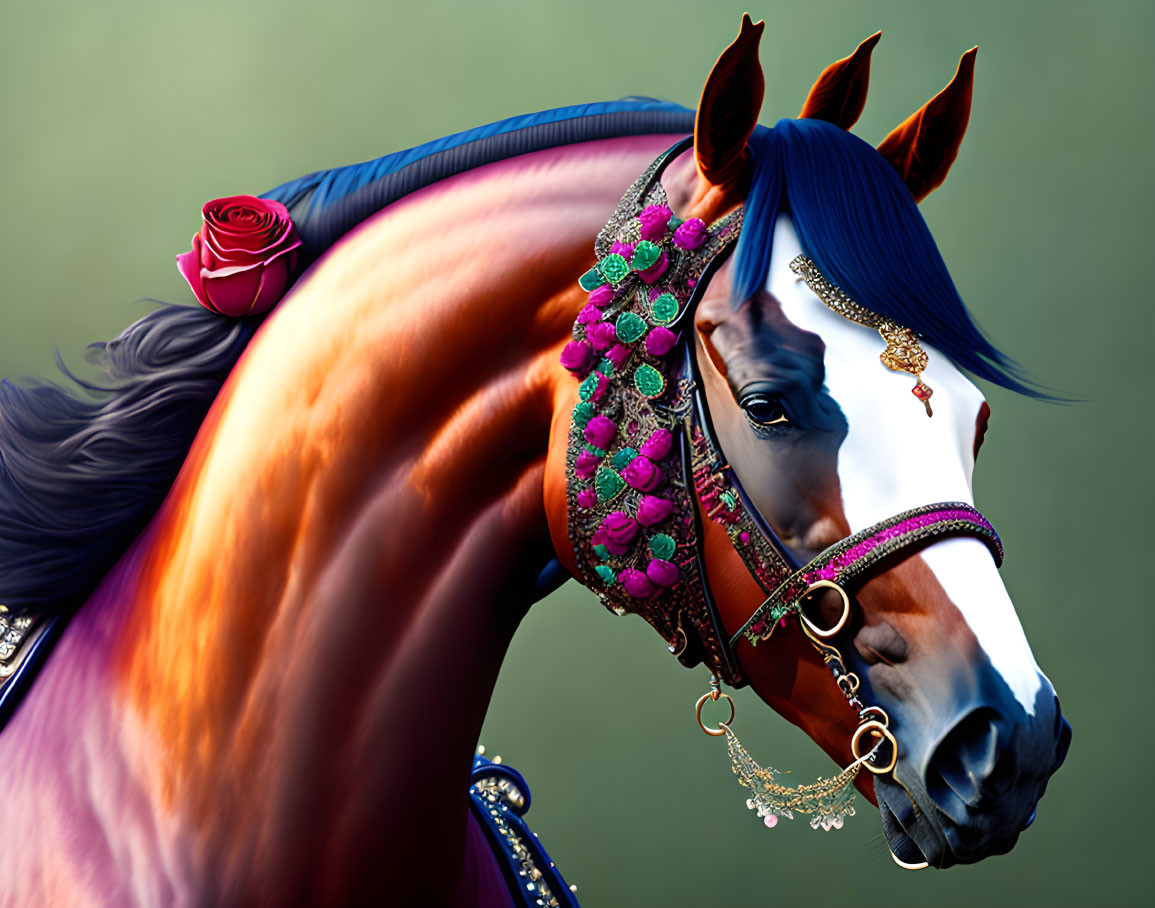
(335, 577)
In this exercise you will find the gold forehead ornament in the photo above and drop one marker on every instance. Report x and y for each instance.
(902, 353)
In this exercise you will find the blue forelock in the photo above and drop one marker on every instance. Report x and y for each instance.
(859, 223)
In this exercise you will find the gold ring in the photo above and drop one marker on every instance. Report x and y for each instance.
(851, 680)
(877, 710)
(813, 628)
(879, 731)
(698, 712)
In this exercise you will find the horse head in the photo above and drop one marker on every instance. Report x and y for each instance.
(817, 443)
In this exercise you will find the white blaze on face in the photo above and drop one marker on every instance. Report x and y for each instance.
(894, 458)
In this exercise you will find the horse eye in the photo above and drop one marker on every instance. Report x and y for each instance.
(764, 410)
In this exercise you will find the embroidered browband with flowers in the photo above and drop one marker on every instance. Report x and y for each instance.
(630, 512)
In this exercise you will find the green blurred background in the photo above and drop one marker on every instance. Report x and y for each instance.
(119, 119)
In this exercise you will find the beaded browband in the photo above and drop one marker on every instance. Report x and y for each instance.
(643, 463)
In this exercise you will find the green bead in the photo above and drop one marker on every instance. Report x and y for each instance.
(623, 457)
(674, 223)
(613, 268)
(588, 386)
(729, 499)
(645, 254)
(664, 309)
(662, 546)
(606, 573)
(606, 368)
(595, 450)
(591, 280)
(583, 413)
(602, 552)
(629, 327)
(609, 484)
(649, 381)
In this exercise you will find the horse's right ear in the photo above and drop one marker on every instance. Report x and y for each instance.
(728, 111)
(839, 93)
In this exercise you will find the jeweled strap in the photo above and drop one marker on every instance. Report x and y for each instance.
(25, 641)
(631, 514)
(500, 799)
(846, 562)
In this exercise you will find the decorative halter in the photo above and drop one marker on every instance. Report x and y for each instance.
(643, 465)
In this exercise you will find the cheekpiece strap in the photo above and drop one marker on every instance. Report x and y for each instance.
(846, 563)
(632, 515)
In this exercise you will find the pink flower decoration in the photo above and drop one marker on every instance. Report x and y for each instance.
(577, 357)
(642, 474)
(587, 498)
(602, 296)
(635, 583)
(589, 315)
(601, 335)
(600, 389)
(658, 445)
(654, 219)
(656, 270)
(660, 341)
(600, 431)
(690, 234)
(652, 510)
(616, 533)
(618, 354)
(243, 257)
(625, 250)
(662, 573)
(586, 465)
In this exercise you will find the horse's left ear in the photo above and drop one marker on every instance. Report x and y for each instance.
(728, 111)
(924, 146)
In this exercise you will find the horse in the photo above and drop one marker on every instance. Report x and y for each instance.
(278, 558)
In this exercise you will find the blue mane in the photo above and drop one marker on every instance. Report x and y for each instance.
(859, 223)
(80, 477)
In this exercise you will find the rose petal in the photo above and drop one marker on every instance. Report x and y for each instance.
(232, 293)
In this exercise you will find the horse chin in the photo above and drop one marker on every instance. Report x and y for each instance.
(919, 836)
(903, 848)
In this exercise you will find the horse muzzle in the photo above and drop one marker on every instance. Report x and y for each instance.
(969, 793)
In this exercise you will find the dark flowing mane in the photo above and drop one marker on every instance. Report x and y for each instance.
(859, 223)
(80, 477)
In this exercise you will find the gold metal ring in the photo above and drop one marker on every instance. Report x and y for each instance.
(875, 710)
(814, 628)
(713, 695)
(879, 731)
(851, 680)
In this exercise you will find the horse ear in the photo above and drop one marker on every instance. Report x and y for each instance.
(840, 92)
(923, 147)
(728, 111)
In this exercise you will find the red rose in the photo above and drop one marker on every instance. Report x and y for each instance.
(243, 257)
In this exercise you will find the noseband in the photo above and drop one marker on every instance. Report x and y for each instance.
(644, 466)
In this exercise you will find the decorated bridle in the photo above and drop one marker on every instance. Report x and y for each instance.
(643, 465)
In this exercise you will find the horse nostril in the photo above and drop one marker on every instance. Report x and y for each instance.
(965, 760)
